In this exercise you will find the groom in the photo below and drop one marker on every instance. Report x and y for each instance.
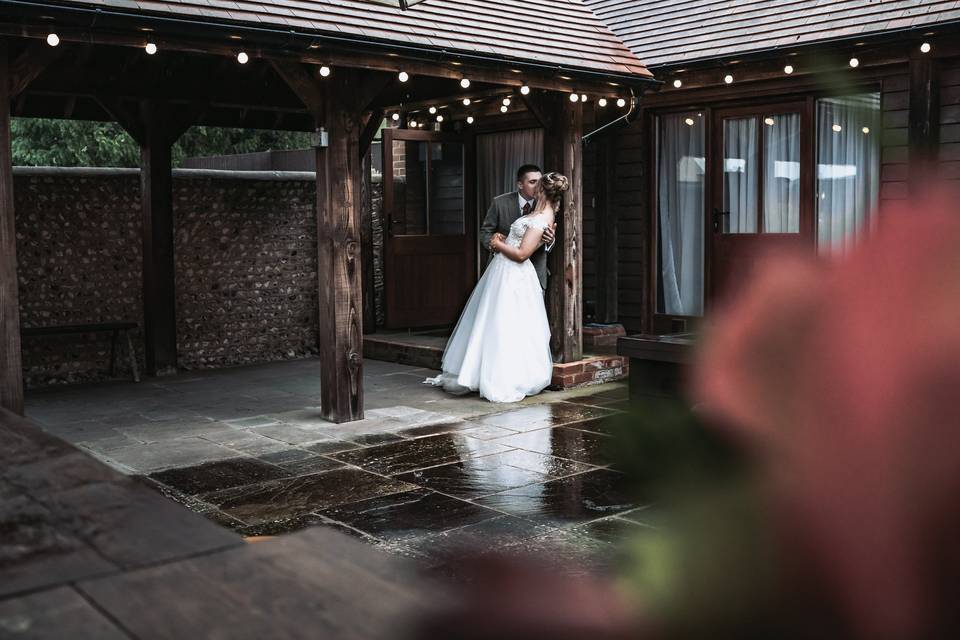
(506, 208)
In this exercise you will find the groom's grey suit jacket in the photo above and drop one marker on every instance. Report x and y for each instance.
(503, 212)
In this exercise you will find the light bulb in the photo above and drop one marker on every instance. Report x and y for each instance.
(243, 58)
(689, 121)
(469, 119)
(395, 117)
(621, 102)
(583, 97)
(503, 109)
(439, 118)
(53, 39)
(413, 123)
(837, 128)
(925, 47)
(677, 83)
(602, 102)
(403, 76)
(854, 63)
(465, 83)
(769, 121)
(788, 69)
(506, 102)
(433, 110)
(150, 48)
(728, 79)
(574, 97)
(466, 102)
(866, 129)
(324, 71)
(525, 90)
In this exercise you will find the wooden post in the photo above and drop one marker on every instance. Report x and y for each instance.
(159, 293)
(607, 221)
(339, 253)
(924, 120)
(366, 243)
(11, 367)
(563, 152)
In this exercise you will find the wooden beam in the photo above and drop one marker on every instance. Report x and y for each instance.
(126, 116)
(159, 294)
(11, 366)
(366, 243)
(304, 83)
(370, 131)
(533, 103)
(37, 57)
(923, 132)
(564, 153)
(607, 221)
(339, 254)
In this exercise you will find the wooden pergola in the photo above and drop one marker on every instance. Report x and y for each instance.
(225, 67)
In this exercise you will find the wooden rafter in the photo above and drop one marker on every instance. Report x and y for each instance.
(37, 57)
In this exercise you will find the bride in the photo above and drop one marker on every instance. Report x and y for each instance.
(501, 344)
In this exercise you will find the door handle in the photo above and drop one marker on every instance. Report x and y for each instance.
(716, 218)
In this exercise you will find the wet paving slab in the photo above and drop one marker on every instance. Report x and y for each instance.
(410, 455)
(563, 442)
(566, 501)
(543, 416)
(215, 476)
(290, 497)
(473, 478)
(408, 515)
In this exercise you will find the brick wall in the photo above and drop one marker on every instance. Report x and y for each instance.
(246, 268)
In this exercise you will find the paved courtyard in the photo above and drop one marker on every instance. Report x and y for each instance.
(424, 475)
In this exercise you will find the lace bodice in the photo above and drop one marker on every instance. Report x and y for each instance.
(519, 227)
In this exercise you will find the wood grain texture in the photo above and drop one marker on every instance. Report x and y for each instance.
(339, 254)
(662, 32)
(555, 32)
(11, 375)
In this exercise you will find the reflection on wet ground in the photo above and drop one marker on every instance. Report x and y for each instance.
(534, 479)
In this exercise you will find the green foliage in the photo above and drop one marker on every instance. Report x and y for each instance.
(72, 143)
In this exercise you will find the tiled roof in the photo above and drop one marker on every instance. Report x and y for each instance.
(554, 32)
(663, 32)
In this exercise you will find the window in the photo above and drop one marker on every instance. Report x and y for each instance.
(848, 169)
(681, 176)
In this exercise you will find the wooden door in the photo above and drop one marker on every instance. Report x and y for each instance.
(761, 190)
(430, 243)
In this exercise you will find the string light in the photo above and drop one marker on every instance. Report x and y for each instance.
(788, 69)
(395, 117)
(866, 129)
(53, 39)
(583, 97)
(243, 58)
(413, 123)
(324, 71)
(433, 110)
(925, 47)
(151, 48)
(469, 119)
(506, 102)
(602, 102)
(525, 90)
(465, 83)
(854, 63)
(403, 76)
(677, 83)
(621, 102)
(689, 121)
(769, 121)
(837, 128)
(439, 118)
(574, 97)
(503, 109)
(728, 79)
(466, 102)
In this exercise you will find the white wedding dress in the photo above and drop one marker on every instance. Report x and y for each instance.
(501, 344)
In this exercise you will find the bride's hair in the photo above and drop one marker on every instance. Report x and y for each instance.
(554, 185)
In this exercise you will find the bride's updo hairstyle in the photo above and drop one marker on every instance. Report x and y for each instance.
(554, 185)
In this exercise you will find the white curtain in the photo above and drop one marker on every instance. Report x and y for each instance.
(680, 211)
(740, 172)
(848, 169)
(781, 175)
(499, 156)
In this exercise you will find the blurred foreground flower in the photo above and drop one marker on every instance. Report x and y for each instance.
(843, 380)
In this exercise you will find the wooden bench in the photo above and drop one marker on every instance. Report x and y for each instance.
(115, 328)
(659, 365)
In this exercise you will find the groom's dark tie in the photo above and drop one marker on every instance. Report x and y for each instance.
(526, 208)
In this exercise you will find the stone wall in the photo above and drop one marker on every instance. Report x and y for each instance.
(246, 267)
